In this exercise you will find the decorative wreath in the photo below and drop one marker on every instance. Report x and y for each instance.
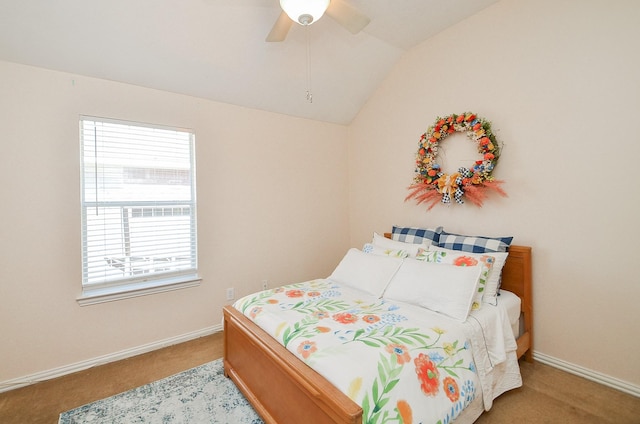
(431, 183)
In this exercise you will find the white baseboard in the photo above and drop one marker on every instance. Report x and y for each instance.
(623, 386)
(7, 385)
(83, 365)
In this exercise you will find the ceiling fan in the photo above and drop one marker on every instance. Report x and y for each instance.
(306, 12)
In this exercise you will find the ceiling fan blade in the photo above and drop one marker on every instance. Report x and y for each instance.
(347, 16)
(280, 28)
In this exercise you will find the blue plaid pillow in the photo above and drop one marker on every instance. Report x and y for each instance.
(416, 235)
(474, 244)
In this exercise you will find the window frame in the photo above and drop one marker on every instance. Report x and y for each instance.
(153, 282)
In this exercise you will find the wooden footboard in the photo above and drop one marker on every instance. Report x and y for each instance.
(280, 387)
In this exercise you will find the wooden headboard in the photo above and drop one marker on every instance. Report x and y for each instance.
(516, 278)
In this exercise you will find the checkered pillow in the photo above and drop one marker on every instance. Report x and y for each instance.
(474, 244)
(427, 236)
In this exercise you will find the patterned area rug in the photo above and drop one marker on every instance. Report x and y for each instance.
(199, 395)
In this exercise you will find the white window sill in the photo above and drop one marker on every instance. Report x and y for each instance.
(95, 295)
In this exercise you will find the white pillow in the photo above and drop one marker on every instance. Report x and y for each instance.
(458, 258)
(410, 248)
(379, 250)
(443, 288)
(365, 272)
(493, 280)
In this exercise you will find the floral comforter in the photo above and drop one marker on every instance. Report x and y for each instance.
(400, 363)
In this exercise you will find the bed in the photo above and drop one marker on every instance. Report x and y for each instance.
(284, 389)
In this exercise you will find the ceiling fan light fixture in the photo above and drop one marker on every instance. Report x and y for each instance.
(304, 12)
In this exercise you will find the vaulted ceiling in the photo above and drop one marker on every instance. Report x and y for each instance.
(216, 49)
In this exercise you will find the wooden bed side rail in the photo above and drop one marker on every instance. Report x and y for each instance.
(273, 380)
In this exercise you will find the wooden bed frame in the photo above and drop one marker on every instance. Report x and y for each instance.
(283, 389)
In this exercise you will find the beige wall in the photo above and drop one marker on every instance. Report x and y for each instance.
(560, 81)
(267, 185)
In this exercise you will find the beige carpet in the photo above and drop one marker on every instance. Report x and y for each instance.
(548, 395)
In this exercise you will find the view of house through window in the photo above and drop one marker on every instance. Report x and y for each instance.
(138, 202)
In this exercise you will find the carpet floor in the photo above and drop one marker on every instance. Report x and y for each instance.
(548, 395)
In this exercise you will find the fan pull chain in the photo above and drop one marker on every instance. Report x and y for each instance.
(309, 93)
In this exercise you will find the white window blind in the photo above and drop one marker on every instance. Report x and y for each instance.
(138, 203)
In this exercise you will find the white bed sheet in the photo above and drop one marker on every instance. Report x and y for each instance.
(512, 304)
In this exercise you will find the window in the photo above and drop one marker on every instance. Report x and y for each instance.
(138, 209)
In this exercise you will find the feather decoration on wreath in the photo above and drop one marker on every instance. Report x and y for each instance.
(423, 193)
(495, 186)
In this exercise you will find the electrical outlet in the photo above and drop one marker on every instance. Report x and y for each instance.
(231, 293)
(265, 284)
